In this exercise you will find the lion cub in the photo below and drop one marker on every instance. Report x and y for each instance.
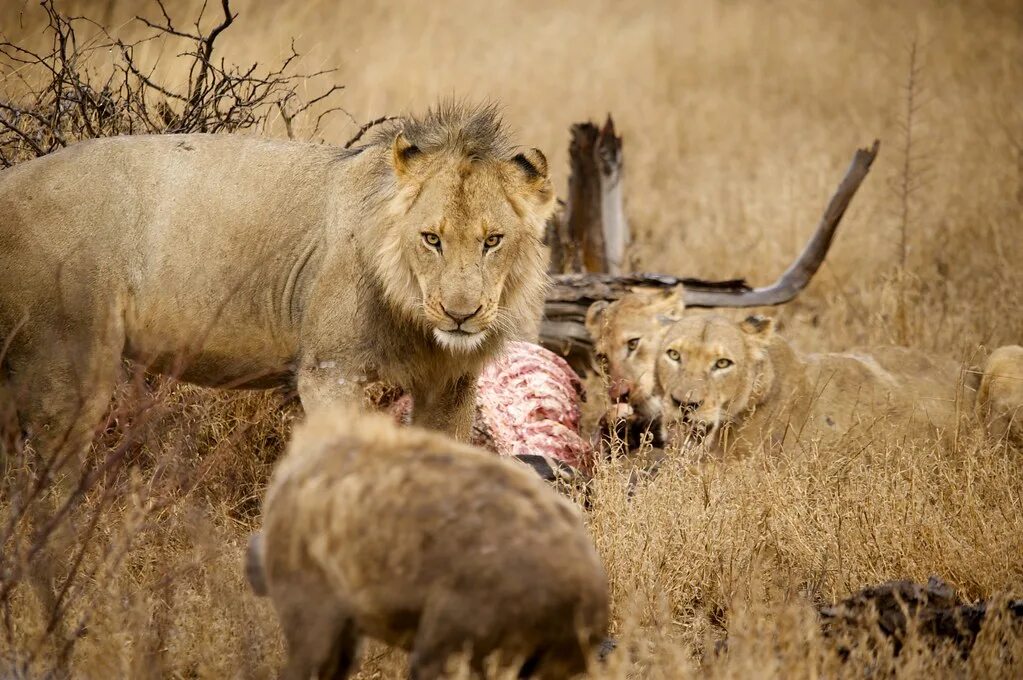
(1000, 398)
(408, 537)
(738, 385)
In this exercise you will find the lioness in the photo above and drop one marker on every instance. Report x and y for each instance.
(408, 537)
(245, 262)
(626, 337)
(740, 385)
(1000, 397)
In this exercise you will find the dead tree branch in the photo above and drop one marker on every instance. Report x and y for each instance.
(591, 233)
(563, 327)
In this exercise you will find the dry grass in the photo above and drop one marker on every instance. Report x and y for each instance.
(738, 120)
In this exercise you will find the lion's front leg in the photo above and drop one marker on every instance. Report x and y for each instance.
(449, 408)
(325, 383)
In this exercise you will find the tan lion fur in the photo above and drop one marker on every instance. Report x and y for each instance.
(409, 537)
(239, 261)
(1000, 397)
(765, 392)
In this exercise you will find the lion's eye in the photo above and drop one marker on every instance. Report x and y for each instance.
(492, 241)
(602, 361)
(674, 355)
(633, 344)
(431, 239)
(723, 363)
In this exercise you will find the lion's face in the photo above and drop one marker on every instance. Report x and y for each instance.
(470, 242)
(707, 368)
(626, 335)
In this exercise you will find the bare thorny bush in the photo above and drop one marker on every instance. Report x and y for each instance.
(76, 102)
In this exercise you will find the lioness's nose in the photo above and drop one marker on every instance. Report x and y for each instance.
(619, 390)
(691, 406)
(460, 316)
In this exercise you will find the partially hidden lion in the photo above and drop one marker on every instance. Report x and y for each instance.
(1000, 397)
(626, 336)
(737, 385)
(406, 536)
(236, 261)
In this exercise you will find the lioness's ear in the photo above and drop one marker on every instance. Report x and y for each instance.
(760, 327)
(594, 314)
(402, 154)
(673, 305)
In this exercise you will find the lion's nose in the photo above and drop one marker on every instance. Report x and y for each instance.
(460, 316)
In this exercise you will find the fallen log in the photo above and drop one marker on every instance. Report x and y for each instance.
(563, 330)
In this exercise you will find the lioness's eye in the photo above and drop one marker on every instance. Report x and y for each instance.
(602, 361)
(723, 363)
(633, 344)
(431, 239)
(674, 355)
(492, 241)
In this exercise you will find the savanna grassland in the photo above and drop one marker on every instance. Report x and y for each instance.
(739, 118)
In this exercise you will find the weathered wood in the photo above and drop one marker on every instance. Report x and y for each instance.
(591, 232)
(563, 329)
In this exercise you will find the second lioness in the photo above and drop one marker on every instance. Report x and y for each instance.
(403, 535)
(739, 384)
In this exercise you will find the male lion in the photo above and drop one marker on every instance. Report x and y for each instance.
(437, 547)
(245, 262)
(626, 337)
(741, 385)
(1000, 397)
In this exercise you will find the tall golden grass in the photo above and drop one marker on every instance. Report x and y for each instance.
(738, 119)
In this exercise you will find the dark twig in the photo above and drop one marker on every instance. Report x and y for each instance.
(366, 127)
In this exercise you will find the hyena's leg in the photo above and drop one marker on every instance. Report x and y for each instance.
(321, 638)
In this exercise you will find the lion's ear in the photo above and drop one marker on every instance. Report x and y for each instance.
(531, 167)
(594, 315)
(403, 154)
(760, 327)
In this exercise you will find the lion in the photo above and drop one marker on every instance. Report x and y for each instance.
(626, 337)
(737, 385)
(1000, 397)
(404, 535)
(235, 261)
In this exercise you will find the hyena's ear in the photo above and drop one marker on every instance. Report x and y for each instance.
(403, 155)
(594, 316)
(760, 328)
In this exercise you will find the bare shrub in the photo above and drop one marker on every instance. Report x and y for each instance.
(75, 102)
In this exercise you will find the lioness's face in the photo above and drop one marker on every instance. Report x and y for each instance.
(472, 235)
(626, 336)
(706, 368)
